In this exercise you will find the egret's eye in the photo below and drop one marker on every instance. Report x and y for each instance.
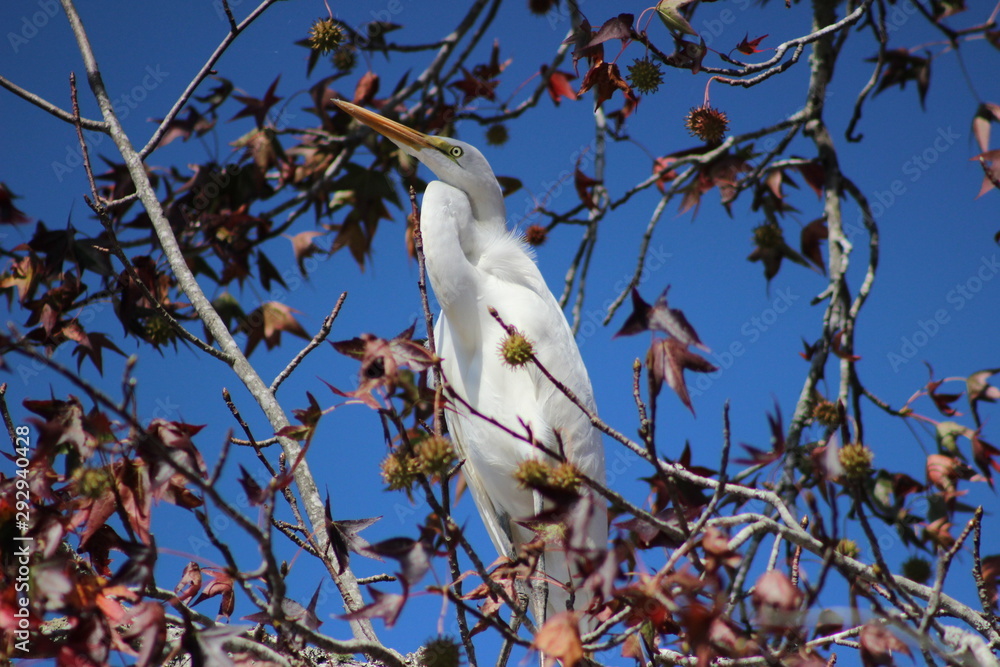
(455, 151)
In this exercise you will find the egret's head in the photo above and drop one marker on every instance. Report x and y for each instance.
(454, 162)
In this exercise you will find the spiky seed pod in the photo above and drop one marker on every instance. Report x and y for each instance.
(707, 123)
(565, 477)
(93, 482)
(541, 7)
(497, 135)
(848, 548)
(441, 651)
(158, 330)
(768, 235)
(645, 76)
(344, 58)
(325, 36)
(856, 459)
(917, 569)
(399, 471)
(533, 474)
(826, 413)
(516, 350)
(435, 455)
(536, 235)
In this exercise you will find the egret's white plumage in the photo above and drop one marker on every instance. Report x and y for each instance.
(473, 263)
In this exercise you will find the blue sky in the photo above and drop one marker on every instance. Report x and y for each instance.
(935, 299)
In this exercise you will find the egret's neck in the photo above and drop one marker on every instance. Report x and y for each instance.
(489, 209)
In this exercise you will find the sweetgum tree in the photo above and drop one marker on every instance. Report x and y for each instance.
(220, 212)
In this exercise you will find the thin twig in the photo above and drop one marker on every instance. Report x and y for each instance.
(320, 336)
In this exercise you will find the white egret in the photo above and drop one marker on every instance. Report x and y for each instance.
(473, 263)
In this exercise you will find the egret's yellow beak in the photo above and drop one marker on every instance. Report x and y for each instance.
(397, 132)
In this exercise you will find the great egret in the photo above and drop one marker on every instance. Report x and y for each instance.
(474, 262)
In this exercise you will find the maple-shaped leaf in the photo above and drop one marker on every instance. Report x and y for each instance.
(749, 46)
(777, 450)
(899, 67)
(669, 12)
(990, 162)
(667, 359)
(559, 639)
(777, 600)
(814, 175)
(190, 582)
(810, 238)
(978, 388)
(983, 454)
(559, 85)
(182, 128)
(585, 186)
(986, 115)
(9, 214)
(344, 536)
(605, 79)
(413, 557)
(366, 89)
(292, 610)
(661, 167)
(659, 317)
(267, 322)
(258, 108)
(146, 626)
(381, 361)
(218, 94)
(90, 346)
(941, 401)
(303, 247)
(771, 248)
(386, 606)
(618, 27)
(222, 584)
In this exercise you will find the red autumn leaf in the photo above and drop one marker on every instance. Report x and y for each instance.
(939, 533)
(991, 576)
(619, 27)
(836, 346)
(413, 557)
(183, 128)
(146, 625)
(667, 359)
(814, 175)
(990, 162)
(878, 643)
(777, 600)
(9, 214)
(812, 235)
(559, 639)
(986, 114)
(661, 166)
(942, 401)
(585, 188)
(267, 322)
(366, 89)
(659, 317)
(559, 86)
(222, 585)
(605, 79)
(983, 453)
(190, 583)
(978, 388)
(899, 67)
(258, 108)
(762, 457)
(303, 247)
(381, 361)
(386, 606)
(749, 47)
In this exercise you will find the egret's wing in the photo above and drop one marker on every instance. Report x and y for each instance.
(497, 521)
